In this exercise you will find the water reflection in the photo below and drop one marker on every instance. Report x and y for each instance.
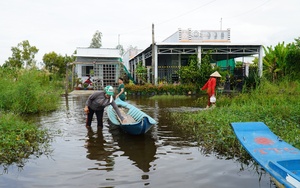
(103, 158)
(96, 150)
(139, 149)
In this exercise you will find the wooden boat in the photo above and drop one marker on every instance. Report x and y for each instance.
(278, 158)
(137, 123)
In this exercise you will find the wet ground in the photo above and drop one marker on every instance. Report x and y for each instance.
(109, 158)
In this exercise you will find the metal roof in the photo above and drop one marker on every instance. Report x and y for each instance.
(224, 50)
(98, 52)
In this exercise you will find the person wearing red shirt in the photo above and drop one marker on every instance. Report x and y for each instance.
(210, 86)
(88, 81)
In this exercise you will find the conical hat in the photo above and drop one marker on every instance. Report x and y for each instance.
(216, 74)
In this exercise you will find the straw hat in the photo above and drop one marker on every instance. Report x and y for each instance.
(216, 74)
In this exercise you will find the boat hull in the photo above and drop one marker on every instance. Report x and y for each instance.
(280, 159)
(143, 122)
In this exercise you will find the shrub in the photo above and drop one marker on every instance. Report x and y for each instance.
(27, 91)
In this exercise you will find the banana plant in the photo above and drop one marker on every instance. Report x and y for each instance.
(274, 61)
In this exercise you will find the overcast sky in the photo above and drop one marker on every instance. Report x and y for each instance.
(63, 25)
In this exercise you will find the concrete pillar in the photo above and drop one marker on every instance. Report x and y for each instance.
(199, 56)
(143, 59)
(155, 64)
(247, 65)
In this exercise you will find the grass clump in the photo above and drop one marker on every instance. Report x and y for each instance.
(169, 97)
(20, 139)
(277, 105)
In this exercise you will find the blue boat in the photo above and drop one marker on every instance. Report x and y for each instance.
(278, 158)
(140, 123)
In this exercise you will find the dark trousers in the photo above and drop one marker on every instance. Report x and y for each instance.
(99, 115)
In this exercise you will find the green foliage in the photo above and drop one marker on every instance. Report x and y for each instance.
(56, 64)
(212, 127)
(169, 97)
(293, 60)
(20, 139)
(238, 64)
(141, 72)
(22, 56)
(253, 78)
(194, 73)
(206, 69)
(274, 62)
(27, 91)
(24, 91)
(190, 73)
(96, 40)
(282, 61)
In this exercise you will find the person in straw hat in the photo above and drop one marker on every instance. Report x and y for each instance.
(210, 86)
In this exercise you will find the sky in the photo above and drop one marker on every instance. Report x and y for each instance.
(61, 26)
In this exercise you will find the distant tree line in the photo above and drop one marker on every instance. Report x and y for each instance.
(281, 61)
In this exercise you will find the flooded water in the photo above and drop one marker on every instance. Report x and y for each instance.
(109, 158)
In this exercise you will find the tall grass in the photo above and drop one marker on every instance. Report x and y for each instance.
(24, 92)
(277, 105)
(27, 91)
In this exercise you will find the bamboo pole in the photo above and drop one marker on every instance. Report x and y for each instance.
(67, 80)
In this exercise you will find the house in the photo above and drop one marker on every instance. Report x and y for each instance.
(103, 65)
(129, 54)
(163, 59)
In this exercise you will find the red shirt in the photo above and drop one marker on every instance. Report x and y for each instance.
(88, 81)
(210, 86)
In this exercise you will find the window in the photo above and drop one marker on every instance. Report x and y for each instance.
(86, 70)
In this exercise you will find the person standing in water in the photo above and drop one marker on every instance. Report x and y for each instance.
(210, 86)
(96, 103)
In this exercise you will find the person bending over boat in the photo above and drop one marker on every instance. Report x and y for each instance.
(96, 104)
(210, 86)
(121, 90)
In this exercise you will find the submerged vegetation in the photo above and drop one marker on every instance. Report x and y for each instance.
(20, 139)
(24, 92)
(277, 105)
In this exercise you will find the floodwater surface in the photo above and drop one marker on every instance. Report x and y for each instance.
(161, 158)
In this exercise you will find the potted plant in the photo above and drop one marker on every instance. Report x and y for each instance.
(85, 86)
(92, 72)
